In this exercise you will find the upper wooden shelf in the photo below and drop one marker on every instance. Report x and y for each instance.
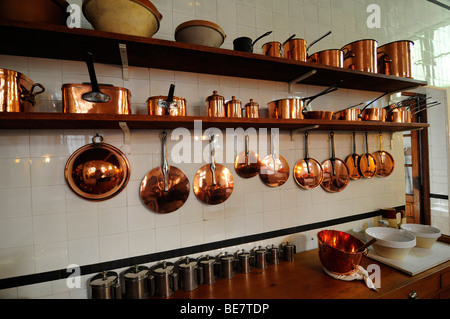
(60, 42)
(106, 121)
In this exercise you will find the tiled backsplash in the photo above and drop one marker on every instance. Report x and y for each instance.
(44, 226)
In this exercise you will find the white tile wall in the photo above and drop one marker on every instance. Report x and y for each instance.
(44, 226)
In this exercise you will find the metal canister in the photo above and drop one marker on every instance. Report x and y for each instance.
(273, 255)
(215, 105)
(105, 285)
(208, 269)
(227, 265)
(166, 279)
(189, 273)
(260, 258)
(243, 258)
(289, 251)
(234, 107)
(135, 279)
(252, 109)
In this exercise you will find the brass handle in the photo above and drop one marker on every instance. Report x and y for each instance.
(29, 96)
(413, 295)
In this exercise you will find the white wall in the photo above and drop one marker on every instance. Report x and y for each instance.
(44, 226)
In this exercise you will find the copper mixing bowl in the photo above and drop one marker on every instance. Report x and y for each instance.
(337, 251)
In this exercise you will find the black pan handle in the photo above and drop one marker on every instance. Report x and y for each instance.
(89, 58)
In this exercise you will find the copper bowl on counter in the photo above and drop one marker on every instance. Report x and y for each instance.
(337, 251)
(73, 102)
(176, 108)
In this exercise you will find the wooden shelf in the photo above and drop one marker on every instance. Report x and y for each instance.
(106, 121)
(60, 42)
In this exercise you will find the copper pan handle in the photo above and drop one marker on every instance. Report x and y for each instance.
(213, 160)
(348, 53)
(165, 166)
(29, 96)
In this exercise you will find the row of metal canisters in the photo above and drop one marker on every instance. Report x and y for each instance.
(165, 278)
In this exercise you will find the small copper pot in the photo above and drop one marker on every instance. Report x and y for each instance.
(399, 115)
(290, 108)
(234, 107)
(395, 58)
(272, 48)
(361, 55)
(215, 105)
(177, 107)
(318, 115)
(374, 114)
(348, 115)
(295, 49)
(332, 57)
(252, 109)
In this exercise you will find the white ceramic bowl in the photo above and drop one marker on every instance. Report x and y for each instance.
(200, 32)
(391, 242)
(426, 235)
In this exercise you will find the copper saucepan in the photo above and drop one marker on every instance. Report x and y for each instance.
(274, 170)
(296, 49)
(361, 55)
(318, 115)
(97, 171)
(167, 105)
(335, 173)
(165, 188)
(352, 161)
(247, 164)
(374, 114)
(348, 114)
(17, 91)
(330, 57)
(308, 172)
(367, 164)
(384, 160)
(213, 183)
(395, 58)
(275, 48)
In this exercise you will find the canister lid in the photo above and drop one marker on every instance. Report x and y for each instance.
(104, 279)
(215, 97)
(163, 268)
(226, 257)
(136, 273)
(234, 101)
(206, 260)
(252, 103)
(187, 263)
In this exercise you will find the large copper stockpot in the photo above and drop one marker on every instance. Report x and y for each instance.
(331, 57)
(17, 91)
(296, 48)
(395, 58)
(361, 55)
(338, 251)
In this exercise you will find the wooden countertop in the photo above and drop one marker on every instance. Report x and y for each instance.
(304, 278)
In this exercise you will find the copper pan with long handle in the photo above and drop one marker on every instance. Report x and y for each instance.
(247, 164)
(165, 188)
(308, 172)
(213, 183)
(274, 170)
(335, 172)
(367, 164)
(385, 161)
(352, 161)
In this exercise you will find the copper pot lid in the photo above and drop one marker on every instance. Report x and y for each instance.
(215, 96)
(308, 172)
(166, 188)
(385, 161)
(213, 183)
(335, 172)
(97, 171)
(367, 163)
(247, 164)
(275, 169)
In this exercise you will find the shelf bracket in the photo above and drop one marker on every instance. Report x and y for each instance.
(126, 137)
(124, 58)
(300, 78)
(303, 129)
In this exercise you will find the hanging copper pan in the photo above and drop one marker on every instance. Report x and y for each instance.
(367, 164)
(385, 161)
(247, 163)
(308, 172)
(213, 183)
(352, 161)
(97, 171)
(335, 173)
(165, 188)
(274, 168)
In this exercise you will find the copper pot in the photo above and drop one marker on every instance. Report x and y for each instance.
(348, 115)
(17, 91)
(177, 107)
(73, 103)
(374, 114)
(318, 115)
(338, 251)
(233, 107)
(35, 11)
(272, 48)
(290, 108)
(331, 57)
(252, 109)
(295, 49)
(399, 115)
(215, 105)
(395, 58)
(361, 55)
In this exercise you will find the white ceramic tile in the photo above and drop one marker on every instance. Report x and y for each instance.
(191, 234)
(16, 202)
(140, 218)
(112, 220)
(14, 172)
(34, 291)
(214, 230)
(50, 256)
(16, 232)
(47, 170)
(83, 251)
(142, 242)
(113, 247)
(82, 224)
(16, 261)
(167, 238)
(49, 228)
(14, 144)
(235, 226)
